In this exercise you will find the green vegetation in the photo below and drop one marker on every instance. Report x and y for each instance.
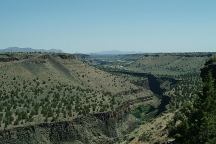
(195, 122)
(143, 113)
(185, 91)
(170, 64)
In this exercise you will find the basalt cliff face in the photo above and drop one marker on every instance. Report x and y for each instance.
(87, 129)
(91, 128)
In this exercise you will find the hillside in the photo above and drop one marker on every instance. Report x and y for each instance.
(167, 64)
(40, 88)
(54, 98)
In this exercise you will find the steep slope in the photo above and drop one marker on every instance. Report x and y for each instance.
(195, 121)
(88, 129)
(152, 132)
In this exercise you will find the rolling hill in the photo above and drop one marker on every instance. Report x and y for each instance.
(37, 88)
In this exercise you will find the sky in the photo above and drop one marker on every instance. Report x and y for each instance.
(102, 25)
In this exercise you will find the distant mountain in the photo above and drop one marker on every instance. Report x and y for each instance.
(18, 49)
(113, 52)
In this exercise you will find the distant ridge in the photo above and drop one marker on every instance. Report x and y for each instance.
(18, 49)
(113, 52)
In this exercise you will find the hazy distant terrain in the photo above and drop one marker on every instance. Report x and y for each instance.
(18, 49)
(113, 52)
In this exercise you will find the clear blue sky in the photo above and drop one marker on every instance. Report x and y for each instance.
(101, 25)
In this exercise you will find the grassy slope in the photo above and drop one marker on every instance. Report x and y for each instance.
(151, 132)
(44, 87)
(168, 64)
